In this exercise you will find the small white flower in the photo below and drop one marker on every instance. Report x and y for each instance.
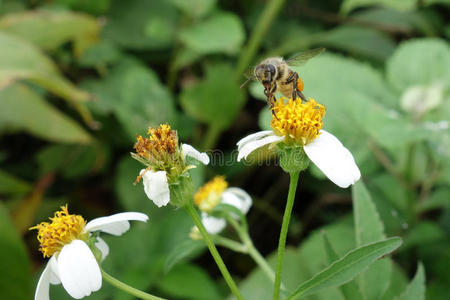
(156, 184)
(325, 151)
(300, 124)
(232, 196)
(72, 262)
(215, 192)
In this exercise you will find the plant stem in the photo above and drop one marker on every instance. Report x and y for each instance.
(128, 289)
(230, 244)
(251, 249)
(212, 248)
(265, 20)
(211, 137)
(283, 234)
(260, 261)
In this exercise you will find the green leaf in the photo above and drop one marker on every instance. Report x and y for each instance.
(368, 226)
(189, 282)
(141, 24)
(135, 95)
(361, 41)
(220, 33)
(22, 109)
(423, 234)
(398, 283)
(301, 264)
(20, 59)
(50, 29)
(419, 62)
(71, 161)
(416, 289)
(15, 282)
(437, 200)
(182, 252)
(347, 267)
(404, 5)
(349, 290)
(369, 229)
(216, 100)
(195, 8)
(11, 185)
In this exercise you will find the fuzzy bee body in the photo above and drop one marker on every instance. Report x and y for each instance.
(276, 75)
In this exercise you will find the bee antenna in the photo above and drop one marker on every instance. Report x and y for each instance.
(245, 83)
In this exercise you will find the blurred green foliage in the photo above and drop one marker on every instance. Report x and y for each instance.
(79, 79)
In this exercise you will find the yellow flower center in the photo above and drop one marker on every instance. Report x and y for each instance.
(63, 229)
(296, 120)
(162, 142)
(208, 196)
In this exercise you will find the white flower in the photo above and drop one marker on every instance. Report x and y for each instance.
(156, 185)
(325, 151)
(73, 264)
(215, 192)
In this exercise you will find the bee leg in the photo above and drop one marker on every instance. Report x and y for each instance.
(272, 100)
(293, 79)
(300, 94)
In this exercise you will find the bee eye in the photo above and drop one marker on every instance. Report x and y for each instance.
(270, 71)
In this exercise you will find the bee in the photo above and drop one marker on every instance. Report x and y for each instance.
(276, 75)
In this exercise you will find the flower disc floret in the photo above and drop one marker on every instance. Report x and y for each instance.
(298, 122)
(160, 147)
(209, 195)
(61, 231)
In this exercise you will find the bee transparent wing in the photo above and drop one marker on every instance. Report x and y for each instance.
(301, 58)
(249, 74)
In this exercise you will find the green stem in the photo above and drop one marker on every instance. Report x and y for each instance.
(212, 135)
(212, 248)
(265, 20)
(230, 244)
(251, 249)
(128, 289)
(260, 261)
(283, 234)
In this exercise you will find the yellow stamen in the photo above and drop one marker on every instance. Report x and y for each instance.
(163, 141)
(63, 229)
(298, 121)
(208, 196)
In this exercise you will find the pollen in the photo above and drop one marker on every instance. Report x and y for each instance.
(299, 122)
(208, 196)
(62, 230)
(161, 143)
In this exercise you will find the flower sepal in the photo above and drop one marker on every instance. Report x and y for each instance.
(292, 158)
(181, 190)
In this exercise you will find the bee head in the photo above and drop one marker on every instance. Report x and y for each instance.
(266, 73)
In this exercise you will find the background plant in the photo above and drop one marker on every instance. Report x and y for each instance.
(79, 79)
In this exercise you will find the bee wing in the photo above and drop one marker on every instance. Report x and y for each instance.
(250, 76)
(301, 58)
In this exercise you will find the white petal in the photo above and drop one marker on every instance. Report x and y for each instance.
(54, 275)
(238, 198)
(249, 147)
(79, 271)
(156, 187)
(103, 247)
(333, 159)
(188, 150)
(43, 286)
(212, 224)
(116, 224)
(252, 137)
